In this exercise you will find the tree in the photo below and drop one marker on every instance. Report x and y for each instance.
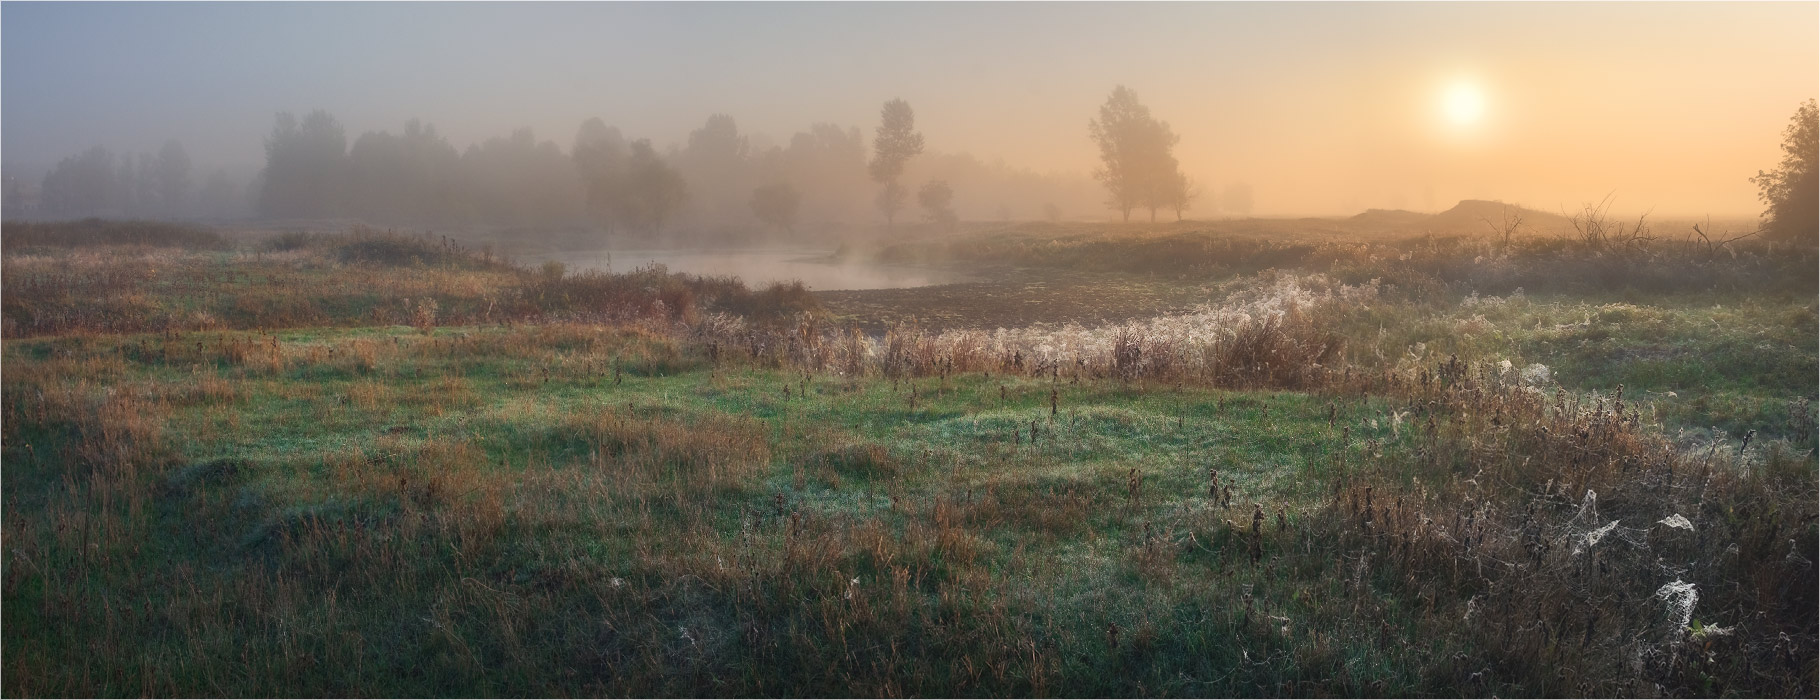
(1791, 190)
(1161, 185)
(937, 199)
(141, 181)
(172, 170)
(654, 191)
(827, 165)
(519, 180)
(82, 184)
(1137, 163)
(407, 178)
(627, 184)
(305, 167)
(893, 145)
(600, 156)
(717, 166)
(776, 204)
(1182, 193)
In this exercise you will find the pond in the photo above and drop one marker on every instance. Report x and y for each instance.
(758, 267)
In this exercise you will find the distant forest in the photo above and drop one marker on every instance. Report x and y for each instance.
(718, 179)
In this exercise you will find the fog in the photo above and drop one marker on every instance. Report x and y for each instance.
(815, 269)
(710, 122)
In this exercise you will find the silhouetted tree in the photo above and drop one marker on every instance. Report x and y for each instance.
(776, 204)
(83, 184)
(716, 165)
(518, 180)
(1137, 165)
(893, 145)
(305, 167)
(654, 192)
(172, 170)
(1182, 193)
(937, 199)
(1792, 190)
(827, 164)
(409, 177)
(138, 184)
(600, 159)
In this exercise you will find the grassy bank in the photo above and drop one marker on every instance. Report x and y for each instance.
(1305, 487)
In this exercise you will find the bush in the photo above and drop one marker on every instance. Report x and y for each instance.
(365, 245)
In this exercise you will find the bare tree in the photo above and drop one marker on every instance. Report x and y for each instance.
(1512, 219)
(1599, 232)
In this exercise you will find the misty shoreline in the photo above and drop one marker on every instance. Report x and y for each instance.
(819, 269)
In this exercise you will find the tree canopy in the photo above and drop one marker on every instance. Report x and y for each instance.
(1792, 190)
(1137, 159)
(894, 144)
(937, 199)
(776, 204)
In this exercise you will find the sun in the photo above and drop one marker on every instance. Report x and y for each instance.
(1463, 103)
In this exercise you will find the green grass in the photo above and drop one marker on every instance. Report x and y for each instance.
(258, 456)
(564, 508)
(1733, 363)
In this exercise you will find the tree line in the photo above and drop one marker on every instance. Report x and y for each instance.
(718, 177)
(99, 182)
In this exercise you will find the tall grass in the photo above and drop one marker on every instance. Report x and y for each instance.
(362, 277)
(616, 485)
(1602, 255)
(16, 236)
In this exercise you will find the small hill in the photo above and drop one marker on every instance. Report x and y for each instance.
(1471, 215)
(1389, 220)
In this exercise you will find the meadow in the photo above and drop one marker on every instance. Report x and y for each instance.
(1132, 460)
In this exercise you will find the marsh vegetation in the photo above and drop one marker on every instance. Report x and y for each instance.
(391, 464)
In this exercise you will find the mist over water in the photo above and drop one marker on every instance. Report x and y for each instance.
(814, 268)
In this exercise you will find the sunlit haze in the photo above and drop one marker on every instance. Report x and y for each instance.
(1320, 108)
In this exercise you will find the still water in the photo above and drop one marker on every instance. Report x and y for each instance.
(758, 267)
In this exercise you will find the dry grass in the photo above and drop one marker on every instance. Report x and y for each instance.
(1237, 500)
(363, 277)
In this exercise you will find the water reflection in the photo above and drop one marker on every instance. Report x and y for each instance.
(759, 267)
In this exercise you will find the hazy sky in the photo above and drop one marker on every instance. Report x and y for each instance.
(1322, 108)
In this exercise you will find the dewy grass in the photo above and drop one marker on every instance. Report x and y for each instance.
(1278, 494)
